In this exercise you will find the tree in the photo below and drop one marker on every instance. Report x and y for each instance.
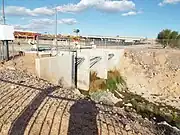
(76, 31)
(168, 38)
(172, 39)
(163, 37)
(178, 41)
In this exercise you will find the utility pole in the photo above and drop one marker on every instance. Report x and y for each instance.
(5, 42)
(56, 22)
(3, 13)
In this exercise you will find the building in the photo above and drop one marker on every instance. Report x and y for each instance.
(19, 34)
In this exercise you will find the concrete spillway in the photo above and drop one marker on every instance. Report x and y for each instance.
(73, 68)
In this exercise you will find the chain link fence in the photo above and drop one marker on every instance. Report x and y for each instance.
(21, 45)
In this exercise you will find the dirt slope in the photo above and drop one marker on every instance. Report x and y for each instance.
(154, 74)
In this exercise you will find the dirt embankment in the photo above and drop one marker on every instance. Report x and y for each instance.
(23, 63)
(154, 74)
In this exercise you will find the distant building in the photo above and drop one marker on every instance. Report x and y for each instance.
(26, 34)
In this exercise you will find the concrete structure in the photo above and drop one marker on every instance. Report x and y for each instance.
(73, 68)
(83, 70)
(58, 69)
(115, 39)
(98, 62)
(114, 58)
(6, 34)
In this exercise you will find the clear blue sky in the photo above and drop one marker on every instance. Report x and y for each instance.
(95, 17)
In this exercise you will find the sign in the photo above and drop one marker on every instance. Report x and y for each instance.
(6, 32)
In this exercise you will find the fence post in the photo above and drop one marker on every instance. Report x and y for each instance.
(6, 50)
(38, 46)
(1, 52)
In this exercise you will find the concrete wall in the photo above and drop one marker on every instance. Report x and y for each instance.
(114, 58)
(58, 70)
(98, 61)
(64, 69)
(83, 70)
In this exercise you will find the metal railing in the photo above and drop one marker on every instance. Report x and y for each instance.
(12, 50)
(69, 45)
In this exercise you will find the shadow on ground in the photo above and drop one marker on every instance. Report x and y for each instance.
(82, 119)
(84, 116)
(82, 113)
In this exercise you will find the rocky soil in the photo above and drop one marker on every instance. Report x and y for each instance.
(154, 74)
(29, 105)
(24, 63)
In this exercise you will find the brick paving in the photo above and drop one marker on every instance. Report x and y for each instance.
(32, 106)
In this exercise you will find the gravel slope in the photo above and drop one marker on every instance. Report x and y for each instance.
(32, 106)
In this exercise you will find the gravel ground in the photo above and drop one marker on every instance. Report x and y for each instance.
(31, 106)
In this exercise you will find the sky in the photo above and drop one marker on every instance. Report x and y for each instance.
(140, 18)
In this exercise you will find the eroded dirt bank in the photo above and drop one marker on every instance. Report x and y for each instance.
(154, 74)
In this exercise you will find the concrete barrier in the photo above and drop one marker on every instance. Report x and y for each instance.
(58, 70)
(83, 70)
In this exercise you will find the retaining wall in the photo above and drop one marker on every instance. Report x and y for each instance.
(58, 70)
(66, 70)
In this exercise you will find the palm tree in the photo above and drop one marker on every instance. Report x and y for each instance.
(76, 31)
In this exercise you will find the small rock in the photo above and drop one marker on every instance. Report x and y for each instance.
(130, 133)
(128, 105)
(127, 128)
(104, 97)
(13, 86)
(11, 68)
(77, 92)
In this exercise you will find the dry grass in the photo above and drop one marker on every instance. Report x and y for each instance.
(114, 78)
(96, 83)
